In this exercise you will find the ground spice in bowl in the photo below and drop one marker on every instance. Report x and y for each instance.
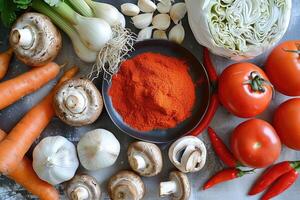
(153, 91)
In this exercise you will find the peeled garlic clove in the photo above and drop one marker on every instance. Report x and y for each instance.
(161, 21)
(147, 6)
(160, 34)
(177, 12)
(177, 34)
(130, 9)
(145, 33)
(164, 8)
(142, 21)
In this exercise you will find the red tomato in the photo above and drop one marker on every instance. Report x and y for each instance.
(287, 123)
(244, 90)
(255, 143)
(283, 68)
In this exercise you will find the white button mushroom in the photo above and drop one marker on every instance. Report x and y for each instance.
(78, 102)
(83, 187)
(145, 158)
(35, 40)
(178, 186)
(188, 154)
(98, 149)
(55, 160)
(126, 185)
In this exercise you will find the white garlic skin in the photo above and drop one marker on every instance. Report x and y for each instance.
(145, 34)
(130, 9)
(160, 34)
(177, 12)
(177, 34)
(98, 149)
(161, 21)
(163, 9)
(142, 21)
(55, 160)
(147, 6)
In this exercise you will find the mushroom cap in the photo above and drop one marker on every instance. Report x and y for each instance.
(46, 44)
(188, 154)
(126, 185)
(150, 153)
(78, 102)
(183, 184)
(86, 182)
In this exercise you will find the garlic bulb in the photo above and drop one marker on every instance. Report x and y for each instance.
(145, 33)
(178, 12)
(142, 21)
(147, 6)
(55, 160)
(98, 149)
(160, 34)
(161, 21)
(164, 6)
(177, 34)
(130, 9)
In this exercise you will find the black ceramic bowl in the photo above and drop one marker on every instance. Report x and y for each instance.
(198, 74)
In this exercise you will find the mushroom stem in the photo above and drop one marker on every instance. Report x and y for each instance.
(80, 193)
(167, 188)
(192, 160)
(75, 102)
(23, 37)
(139, 162)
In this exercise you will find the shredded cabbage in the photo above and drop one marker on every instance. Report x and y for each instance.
(239, 29)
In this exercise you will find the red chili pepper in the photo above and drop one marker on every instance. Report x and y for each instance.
(214, 102)
(221, 149)
(210, 113)
(271, 175)
(281, 184)
(224, 175)
(211, 70)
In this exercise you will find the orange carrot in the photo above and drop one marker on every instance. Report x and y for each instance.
(14, 89)
(4, 61)
(25, 176)
(17, 143)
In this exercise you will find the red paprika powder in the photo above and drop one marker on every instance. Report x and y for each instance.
(153, 91)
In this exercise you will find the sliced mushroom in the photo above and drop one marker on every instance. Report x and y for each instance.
(126, 185)
(78, 102)
(178, 186)
(35, 40)
(83, 187)
(188, 154)
(145, 158)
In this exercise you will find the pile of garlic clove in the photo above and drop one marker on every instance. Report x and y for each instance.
(158, 22)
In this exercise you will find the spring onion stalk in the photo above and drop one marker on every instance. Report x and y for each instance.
(81, 50)
(105, 11)
(93, 32)
(105, 35)
(82, 7)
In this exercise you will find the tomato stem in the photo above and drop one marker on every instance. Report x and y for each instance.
(257, 83)
(293, 51)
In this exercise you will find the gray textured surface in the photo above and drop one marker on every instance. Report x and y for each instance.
(223, 123)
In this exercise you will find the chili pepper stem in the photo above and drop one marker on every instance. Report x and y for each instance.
(242, 173)
(295, 164)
